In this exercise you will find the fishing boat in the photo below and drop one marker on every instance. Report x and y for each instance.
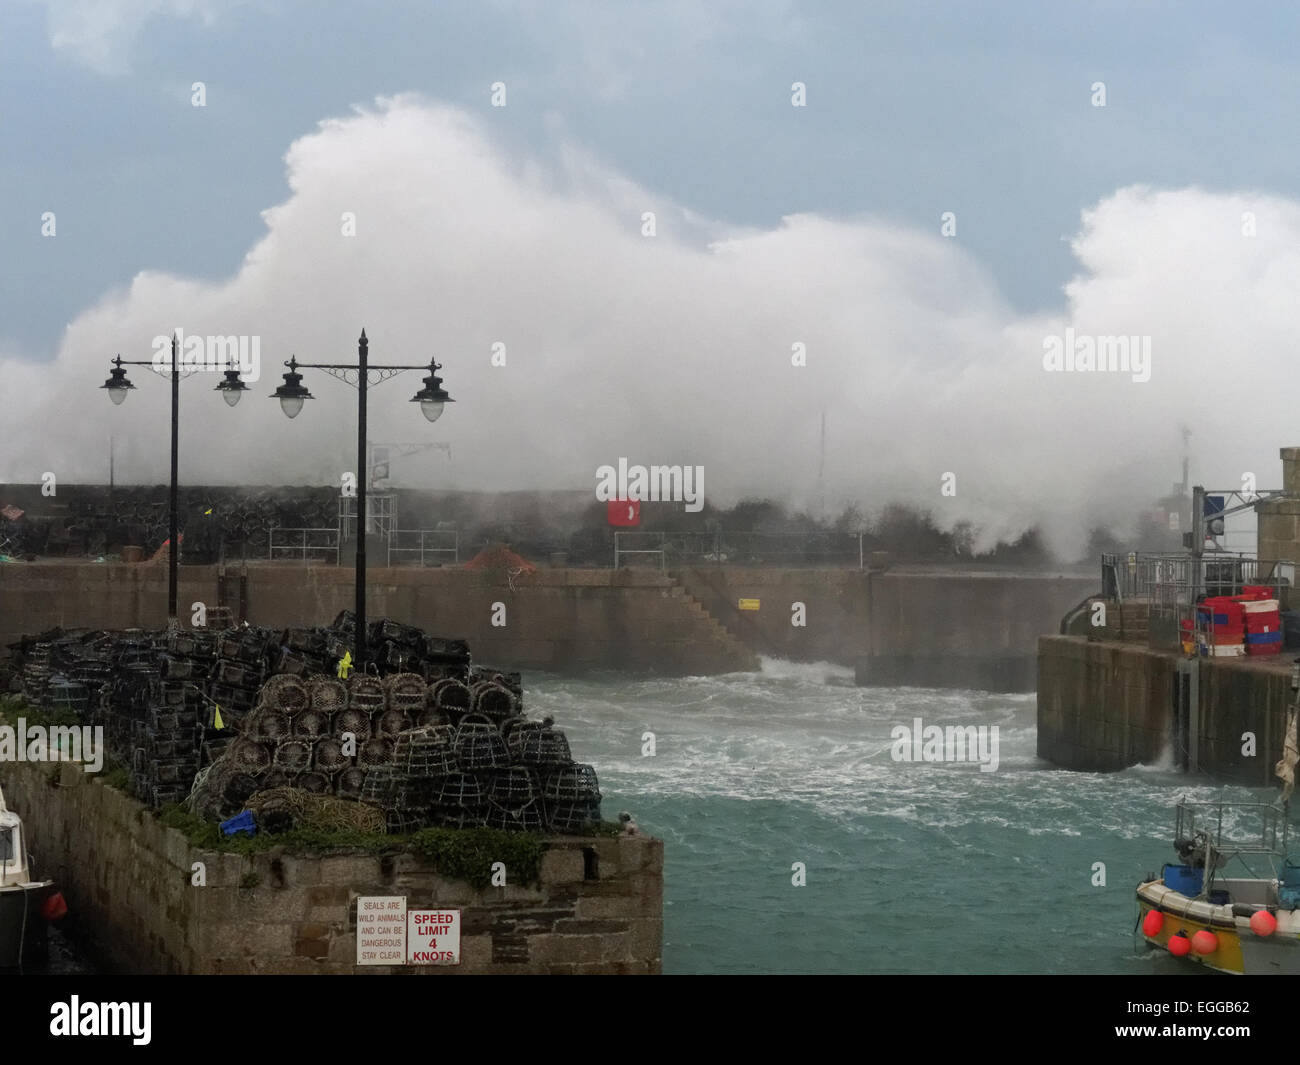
(1232, 901)
(27, 905)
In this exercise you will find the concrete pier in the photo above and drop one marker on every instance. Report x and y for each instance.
(1105, 705)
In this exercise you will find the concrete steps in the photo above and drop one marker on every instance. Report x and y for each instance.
(697, 609)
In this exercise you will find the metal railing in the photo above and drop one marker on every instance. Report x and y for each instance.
(440, 545)
(668, 549)
(1165, 581)
(307, 545)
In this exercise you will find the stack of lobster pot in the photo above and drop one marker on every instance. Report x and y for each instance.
(238, 672)
(166, 755)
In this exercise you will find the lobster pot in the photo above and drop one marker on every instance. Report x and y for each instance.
(238, 788)
(69, 695)
(327, 695)
(526, 818)
(235, 703)
(376, 751)
(493, 701)
(328, 756)
(405, 821)
(536, 744)
(249, 756)
(350, 783)
(291, 665)
(426, 752)
(278, 777)
(171, 668)
(379, 786)
(572, 783)
(313, 782)
(182, 643)
(571, 818)
(391, 722)
(406, 691)
(453, 698)
(310, 723)
(293, 756)
(214, 749)
(352, 720)
(165, 693)
(268, 723)
(238, 675)
(479, 745)
(430, 716)
(365, 693)
(306, 641)
(286, 693)
(460, 794)
(514, 786)
(95, 676)
(511, 681)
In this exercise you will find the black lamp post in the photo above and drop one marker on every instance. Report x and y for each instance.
(432, 398)
(118, 387)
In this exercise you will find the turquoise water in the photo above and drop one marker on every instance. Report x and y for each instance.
(911, 868)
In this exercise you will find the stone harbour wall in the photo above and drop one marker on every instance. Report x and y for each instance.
(569, 620)
(598, 906)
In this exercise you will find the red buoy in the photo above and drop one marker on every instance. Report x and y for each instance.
(1263, 923)
(1152, 923)
(54, 907)
(1179, 944)
(1205, 942)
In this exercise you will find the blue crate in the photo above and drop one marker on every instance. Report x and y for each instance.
(1183, 878)
(240, 823)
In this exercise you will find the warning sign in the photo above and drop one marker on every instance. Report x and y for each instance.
(433, 937)
(749, 604)
(381, 930)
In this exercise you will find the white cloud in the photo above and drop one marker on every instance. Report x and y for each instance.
(676, 349)
(100, 33)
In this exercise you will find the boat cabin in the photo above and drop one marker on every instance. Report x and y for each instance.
(13, 854)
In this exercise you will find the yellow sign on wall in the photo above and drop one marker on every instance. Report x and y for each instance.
(749, 604)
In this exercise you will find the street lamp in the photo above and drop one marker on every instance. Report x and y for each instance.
(432, 398)
(119, 387)
(291, 393)
(232, 387)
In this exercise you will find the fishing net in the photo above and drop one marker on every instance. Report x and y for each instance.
(308, 810)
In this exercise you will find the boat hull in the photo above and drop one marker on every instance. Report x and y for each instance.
(1240, 951)
(32, 941)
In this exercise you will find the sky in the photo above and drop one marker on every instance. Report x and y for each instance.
(948, 198)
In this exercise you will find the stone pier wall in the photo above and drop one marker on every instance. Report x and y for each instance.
(598, 906)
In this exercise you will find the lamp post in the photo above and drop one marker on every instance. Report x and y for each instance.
(432, 398)
(119, 386)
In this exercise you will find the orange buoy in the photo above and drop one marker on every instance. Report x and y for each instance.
(1205, 942)
(1179, 944)
(1263, 923)
(55, 907)
(1152, 923)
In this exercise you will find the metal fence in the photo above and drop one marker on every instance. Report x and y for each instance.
(424, 547)
(305, 545)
